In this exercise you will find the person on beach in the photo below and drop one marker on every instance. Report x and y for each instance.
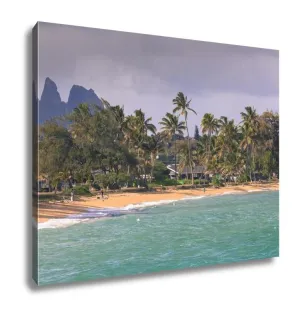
(72, 195)
(102, 194)
(204, 189)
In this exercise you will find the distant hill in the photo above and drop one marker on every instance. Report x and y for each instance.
(51, 105)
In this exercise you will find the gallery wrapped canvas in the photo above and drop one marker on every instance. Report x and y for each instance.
(150, 154)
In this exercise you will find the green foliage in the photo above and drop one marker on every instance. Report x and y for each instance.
(79, 190)
(243, 178)
(216, 181)
(203, 181)
(124, 149)
(151, 188)
(160, 171)
(54, 146)
(112, 180)
(164, 182)
(96, 186)
(170, 182)
(186, 181)
(197, 134)
(268, 162)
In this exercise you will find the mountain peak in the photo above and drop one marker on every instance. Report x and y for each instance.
(79, 94)
(50, 92)
(51, 104)
(48, 81)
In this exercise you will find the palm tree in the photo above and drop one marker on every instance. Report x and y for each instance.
(227, 146)
(183, 107)
(184, 157)
(250, 128)
(144, 124)
(152, 146)
(135, 132)
(170, 127)
(105, 103)
(210, 125)
(80, 127)
(119, 115)
(227, 137)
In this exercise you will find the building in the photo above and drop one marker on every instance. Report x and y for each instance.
(198, 172)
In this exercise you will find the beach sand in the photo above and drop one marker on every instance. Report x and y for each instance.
(48, 211)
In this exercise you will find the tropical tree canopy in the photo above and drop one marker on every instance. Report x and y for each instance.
(127, 148)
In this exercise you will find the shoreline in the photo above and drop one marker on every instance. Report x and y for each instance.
(48, 211)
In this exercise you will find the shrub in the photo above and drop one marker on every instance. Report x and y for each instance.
(151, 188)
(243, 178)
(164, 182)
(169, 182)
(187, 181)
(78, 190)
(160, 171)
(216, 181)
(204, 181)
(112, 180)
(96, 186)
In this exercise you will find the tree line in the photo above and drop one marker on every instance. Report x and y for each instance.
(126, 148)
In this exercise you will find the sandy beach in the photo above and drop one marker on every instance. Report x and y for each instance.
(60, 210)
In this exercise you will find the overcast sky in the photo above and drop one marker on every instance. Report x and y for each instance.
(144, 71)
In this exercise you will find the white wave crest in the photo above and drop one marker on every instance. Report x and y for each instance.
(231, 192)
(160, 202)
(257, 190)
(58, 223)
(192, 198)
(146, 204)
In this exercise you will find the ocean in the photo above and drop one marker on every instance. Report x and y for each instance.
(159, 236)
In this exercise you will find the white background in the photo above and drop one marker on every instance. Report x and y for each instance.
(257, 289)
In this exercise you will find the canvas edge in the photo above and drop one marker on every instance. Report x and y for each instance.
(34, 153)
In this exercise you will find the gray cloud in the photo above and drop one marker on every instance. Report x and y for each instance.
(147, 71)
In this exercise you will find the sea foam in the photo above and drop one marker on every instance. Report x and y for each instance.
(160, 202)
(146, 204)
(89, 215)
(58, 223)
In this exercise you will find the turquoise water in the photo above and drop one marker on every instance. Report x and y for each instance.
(191, 233)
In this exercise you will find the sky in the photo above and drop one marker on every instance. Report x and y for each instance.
(147, 72)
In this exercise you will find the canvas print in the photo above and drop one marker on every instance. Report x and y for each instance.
(150, 154)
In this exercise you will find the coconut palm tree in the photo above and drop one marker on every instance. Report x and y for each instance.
(185, 160)
(135, 132)
(227, 137)
(227, 146)
(183, 107)
(170, 127)
(152, 146)
(250, 129)
(144, 124)
(119, 116)
(210, 125)
(105, 103)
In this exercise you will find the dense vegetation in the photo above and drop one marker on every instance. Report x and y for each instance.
(126, 149)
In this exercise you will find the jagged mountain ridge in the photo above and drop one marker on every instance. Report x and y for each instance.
(51, 105)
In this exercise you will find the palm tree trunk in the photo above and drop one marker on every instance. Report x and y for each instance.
(249, 161)
(209, 145)
(190, 161)
(176, 178)
(152, 165)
